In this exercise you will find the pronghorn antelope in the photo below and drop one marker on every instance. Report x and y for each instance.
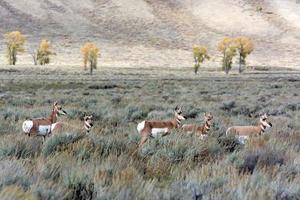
(201, 131)
(85, 129)
(244, 132)
(43, 126)
(155, 128)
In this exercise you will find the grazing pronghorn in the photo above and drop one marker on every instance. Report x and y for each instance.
(244, 132)
(201, 131)
(85, 129)
(43, 126)
(155, 128)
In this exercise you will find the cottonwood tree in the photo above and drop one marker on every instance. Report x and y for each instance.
(43, 53)
(90, 54)
(15, 44)
(228, 49)
(244, 47)
(200, 54)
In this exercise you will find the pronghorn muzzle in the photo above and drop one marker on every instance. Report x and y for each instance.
(88, 122)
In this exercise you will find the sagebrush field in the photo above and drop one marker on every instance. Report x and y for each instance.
(104, 164)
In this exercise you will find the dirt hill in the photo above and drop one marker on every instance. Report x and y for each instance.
(146, 33)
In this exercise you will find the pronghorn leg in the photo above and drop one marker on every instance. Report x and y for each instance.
(167, 132)
(143, 140)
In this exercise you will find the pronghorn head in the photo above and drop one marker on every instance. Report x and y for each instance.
(264, 122)
(58, 109)
(178, 113)
(208, 117)
(88, 122)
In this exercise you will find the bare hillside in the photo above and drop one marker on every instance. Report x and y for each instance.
(155, 32)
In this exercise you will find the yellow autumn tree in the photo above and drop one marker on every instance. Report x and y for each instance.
(15, 44)
(244, 47)
(90, 54)
(43, 53)
(200, 54)
(228, 49)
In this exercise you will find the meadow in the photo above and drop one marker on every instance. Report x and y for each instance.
(104, 164)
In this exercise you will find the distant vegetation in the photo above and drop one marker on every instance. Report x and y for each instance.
(229, 48)
(43, 53)
(15, 44)
(200, 54)
(90, 54)
(244, 47)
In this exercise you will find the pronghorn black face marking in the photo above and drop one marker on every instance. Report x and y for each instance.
(264, 123)
(88, 122)
(178, 115)
(208, 120)
(58, 109)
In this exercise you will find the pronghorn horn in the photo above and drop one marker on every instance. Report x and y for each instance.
(176, 108)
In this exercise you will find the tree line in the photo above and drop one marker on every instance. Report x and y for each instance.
(229, 48)
(15, 42)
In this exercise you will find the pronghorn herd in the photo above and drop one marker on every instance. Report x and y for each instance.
(148, 128)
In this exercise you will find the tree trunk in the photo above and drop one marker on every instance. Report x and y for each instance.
(91, 68)
(14, 58)
(240, 64)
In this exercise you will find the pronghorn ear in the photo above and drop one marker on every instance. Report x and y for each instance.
(176, 108)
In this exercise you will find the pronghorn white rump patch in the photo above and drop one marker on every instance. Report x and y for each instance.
(27, 126)
(157, 132)
(242, 139)
(140, 126)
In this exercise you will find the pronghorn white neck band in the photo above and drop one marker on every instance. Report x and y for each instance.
(262, 127)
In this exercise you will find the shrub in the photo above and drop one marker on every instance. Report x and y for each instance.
(15, 193)
(27, 148)
(14, 172)
(262, 158)
(57, 142)
(15, 44)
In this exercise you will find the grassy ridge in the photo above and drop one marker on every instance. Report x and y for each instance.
(103, 164)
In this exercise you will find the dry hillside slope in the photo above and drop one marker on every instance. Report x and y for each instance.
(147, 33)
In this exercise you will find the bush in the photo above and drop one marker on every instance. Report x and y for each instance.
(27, 148)
(14, 172)
(59, 142)
(15, 193)
(261, 158)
